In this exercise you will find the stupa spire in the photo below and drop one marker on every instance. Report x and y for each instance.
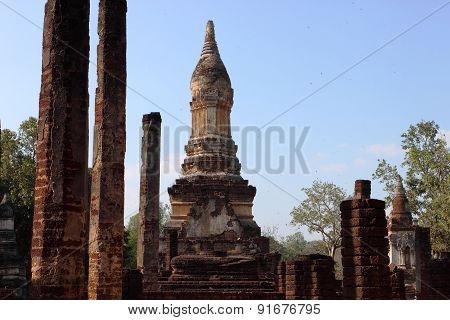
(210, 45)
(210, 74)
(401, 214)
(399, 189)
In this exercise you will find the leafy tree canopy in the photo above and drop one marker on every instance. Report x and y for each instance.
(427, 164)
(320, 213)
(131, 235)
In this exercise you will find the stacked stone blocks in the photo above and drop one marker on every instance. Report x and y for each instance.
(281, 277)
(364, 246)
(436, 285)
(310, 277)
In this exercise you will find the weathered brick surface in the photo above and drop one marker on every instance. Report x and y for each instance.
(376, 244)
(148, 237)
(107, 195)
(398, 283)
(281, 276)
(436, 280)
(367, 271)
(132, 284)
(7, 294)
(365, 246)
(212, 295)
(311, 277)
(61, 176)
(423, 252)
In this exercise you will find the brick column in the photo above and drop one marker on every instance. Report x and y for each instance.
(148, 238)
(365, 246)
(107, 194)
(61, 176)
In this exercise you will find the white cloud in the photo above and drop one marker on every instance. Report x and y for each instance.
(334, 168)
(389, 149)
(359, 162)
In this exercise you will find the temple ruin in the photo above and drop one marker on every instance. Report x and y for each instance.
(212, 247)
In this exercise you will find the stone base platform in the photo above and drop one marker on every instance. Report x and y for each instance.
(208, 206)
(212, 295)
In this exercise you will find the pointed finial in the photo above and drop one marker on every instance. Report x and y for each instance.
(210, 35)
(210, 46)
(399, 189)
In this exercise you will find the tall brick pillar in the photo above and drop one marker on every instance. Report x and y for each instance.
(62, 148)
(107, 193)
(365, 246)
(148, 238)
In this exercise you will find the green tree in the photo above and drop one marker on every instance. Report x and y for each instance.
(387, 175)
(17, 175)
(320, 213)
(275, 242)
(130, 245)
(132, 231)
(427, 164)
(293, 245)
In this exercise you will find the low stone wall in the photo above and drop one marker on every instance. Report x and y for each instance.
(212, 295)
(131, 284)
(311, 277)
(398, 283)
(436, 282)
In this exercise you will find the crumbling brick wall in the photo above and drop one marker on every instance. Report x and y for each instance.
(310, 277)
(436, 281)
(281, 277)
(398, 283)
(7, 294)
(131, 284)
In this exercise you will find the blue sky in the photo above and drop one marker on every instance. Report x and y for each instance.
(276, 53)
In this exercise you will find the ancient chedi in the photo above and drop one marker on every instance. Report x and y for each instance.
(211, 181)
(402, 237)
(58, 242)
(409, 246)
(107, 195)
(212, 240)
